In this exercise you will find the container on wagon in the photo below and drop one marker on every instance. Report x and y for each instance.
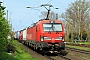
(21, 35)
(24, 33)
(17, 35)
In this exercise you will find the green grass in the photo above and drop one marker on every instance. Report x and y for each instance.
(20, 53)
(82, 43)
(78, 47)
(6, 56)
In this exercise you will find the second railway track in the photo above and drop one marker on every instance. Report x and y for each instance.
(78, 50)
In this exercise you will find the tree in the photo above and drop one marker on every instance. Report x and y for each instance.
(78, 18)
(4, 29)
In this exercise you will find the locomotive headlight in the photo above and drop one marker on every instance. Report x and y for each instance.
(63, 39)
(47, 38)
(58, 38)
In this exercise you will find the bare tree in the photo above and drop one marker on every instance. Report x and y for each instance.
(78, 18)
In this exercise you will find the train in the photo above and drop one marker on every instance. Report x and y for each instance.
(44, 35)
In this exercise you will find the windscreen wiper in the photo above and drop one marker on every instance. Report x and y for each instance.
(49, 30)
(55, 29)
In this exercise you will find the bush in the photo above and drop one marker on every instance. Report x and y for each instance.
(4, 30)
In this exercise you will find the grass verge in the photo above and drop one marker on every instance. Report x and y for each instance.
(82, 43)
(78, 47)
(21, 54)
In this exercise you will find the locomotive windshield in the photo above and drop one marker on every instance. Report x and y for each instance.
(52, 27)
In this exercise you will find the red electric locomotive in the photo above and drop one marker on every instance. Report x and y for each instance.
(46, 35)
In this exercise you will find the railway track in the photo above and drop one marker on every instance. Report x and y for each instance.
(59, 56)
(50, 58)
(78, 50)
(64, 57)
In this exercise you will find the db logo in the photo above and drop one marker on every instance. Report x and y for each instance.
(60, 34)
(52, 38)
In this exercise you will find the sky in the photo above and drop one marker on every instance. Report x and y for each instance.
(21, 17)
